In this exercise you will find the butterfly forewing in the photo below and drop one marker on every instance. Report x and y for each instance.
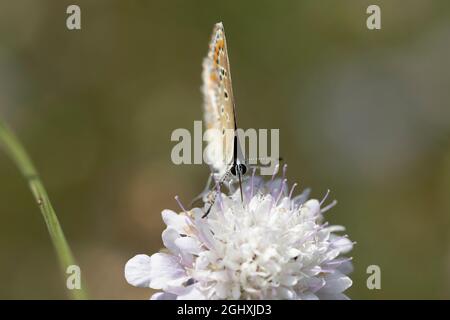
(219, 103)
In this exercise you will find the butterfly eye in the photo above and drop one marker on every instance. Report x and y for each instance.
(242, 168)
(238, 168)
(233, 170)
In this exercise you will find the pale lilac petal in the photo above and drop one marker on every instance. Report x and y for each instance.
(332, 296)
(285, 293)
(288, 280)
(336, 283)
(346, 267)
(315, 284)
(313, 205)
(342, 243)
(169, 236)
(165, 268)
(336, 228)
(191, 293)
(175, 221)
(308, 296)
(170, 239)
(163, 296)
(301, 199)
(204, 233)
(138, 271)
(188, 245)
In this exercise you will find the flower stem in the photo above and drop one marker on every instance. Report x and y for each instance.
(18, 155)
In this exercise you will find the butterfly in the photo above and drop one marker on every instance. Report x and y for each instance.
(223, 149)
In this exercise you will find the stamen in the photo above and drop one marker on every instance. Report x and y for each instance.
(328, 207)
(251, 183)
(292, 190)
(308, 237)
(275, 172)
(292, 206)
(325, 197)
(283, 183)
(177, 199)
(284, 170)
(219, 196)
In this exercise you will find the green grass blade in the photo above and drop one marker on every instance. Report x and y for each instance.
(18, 155)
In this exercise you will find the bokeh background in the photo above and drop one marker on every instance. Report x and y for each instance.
(364, 113)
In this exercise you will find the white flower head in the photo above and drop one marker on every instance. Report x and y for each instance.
(271, 246)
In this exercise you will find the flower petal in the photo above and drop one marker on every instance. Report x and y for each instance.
(288, 280)
(307, 296)
(334, 296)
(342, 243)
(346, 267)
(336, 283)
(169, 236)
(285, 293)
(163, 296)
(175, 221)
(138, 271)
(165, 268)
(313, 206)
(301, 198)
(188, 245)
(191, 293)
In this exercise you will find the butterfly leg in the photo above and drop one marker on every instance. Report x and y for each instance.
(211, 198)
(213, 194)
(211, 203)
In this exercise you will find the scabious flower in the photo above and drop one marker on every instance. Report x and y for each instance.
(271, 246)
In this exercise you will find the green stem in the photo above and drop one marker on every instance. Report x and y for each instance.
(18, 155)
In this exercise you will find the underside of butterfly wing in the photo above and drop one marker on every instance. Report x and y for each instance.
(219, 110)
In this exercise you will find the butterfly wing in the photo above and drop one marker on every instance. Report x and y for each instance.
(219, 110)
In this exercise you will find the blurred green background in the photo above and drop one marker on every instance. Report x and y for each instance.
(364, 113)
